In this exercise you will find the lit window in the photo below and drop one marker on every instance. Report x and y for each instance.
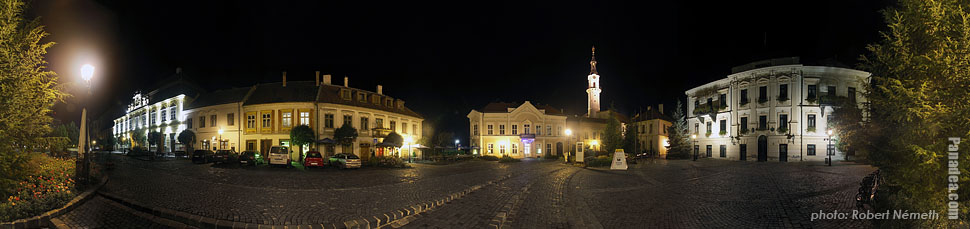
(489, 130)
(515, 148)
(501, 129)
(267, 120)
(304, 118)
(251, 121)
(287, 119)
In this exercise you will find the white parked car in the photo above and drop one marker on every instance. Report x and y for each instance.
(279, 155)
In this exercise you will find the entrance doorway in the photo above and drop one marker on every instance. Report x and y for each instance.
(783, 152)
(559, 148)
(744, 151)
(762, 148)
(264, 146)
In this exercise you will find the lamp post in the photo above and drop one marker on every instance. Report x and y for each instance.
(408, 141)
(220, 138)
(693, 138)
(87, 72)
(569, 134)
(828, 147)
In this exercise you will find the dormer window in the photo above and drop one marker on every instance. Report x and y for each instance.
(345, 94)
(362, 97)
(389, 102)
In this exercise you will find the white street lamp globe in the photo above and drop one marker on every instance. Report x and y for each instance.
(220, 131)
(569, 132)
(456, 141)
(830, 132)
(87, 71)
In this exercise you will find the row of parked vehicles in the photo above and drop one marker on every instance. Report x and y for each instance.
(277, 156)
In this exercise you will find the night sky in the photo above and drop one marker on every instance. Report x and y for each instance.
(446, 58)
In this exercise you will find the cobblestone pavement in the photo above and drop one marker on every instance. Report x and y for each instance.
(99, 212)
(281, 196)
(538, 193)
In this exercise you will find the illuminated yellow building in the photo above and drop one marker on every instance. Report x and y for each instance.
(651, 130)
(518, 130)
(259, 117)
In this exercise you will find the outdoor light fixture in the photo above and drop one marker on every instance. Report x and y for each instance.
(221, 131)
(87, 71)
(569, 132)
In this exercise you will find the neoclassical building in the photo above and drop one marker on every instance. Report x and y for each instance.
(771, 110)
(526, 129)
(160, 110)
(259, 117)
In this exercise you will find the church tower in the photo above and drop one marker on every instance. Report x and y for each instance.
(593, 89)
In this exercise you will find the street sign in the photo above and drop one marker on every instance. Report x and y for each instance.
(619, 160)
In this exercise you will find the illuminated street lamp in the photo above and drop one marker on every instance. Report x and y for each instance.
(408, 141)
(569, 134)
(220, 138)
(87, 72)
(693, 138)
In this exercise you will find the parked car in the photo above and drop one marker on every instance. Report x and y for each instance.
(279, 155)
(344, 160)
(221, 156)
(201, 156)
(180, 154)
(248, 157)
(313, 159)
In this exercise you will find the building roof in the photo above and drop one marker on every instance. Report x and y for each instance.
(234, 95)
(331, 94)
(176, 85)
(295, 91)
(651, 114)
(503, 107)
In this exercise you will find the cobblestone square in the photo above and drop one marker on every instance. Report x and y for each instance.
(529, 194)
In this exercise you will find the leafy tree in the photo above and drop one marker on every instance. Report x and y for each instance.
(28, 89)
(918, 97)
(138, 138)
(155, 138)
(630, 139)
(394, 139)
(302, 135)
(612, 137)
(345, 135)
(68, 130)
(187, 138)
(679, 144)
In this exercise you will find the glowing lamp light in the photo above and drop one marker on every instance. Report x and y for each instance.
(693, 136)
(569, 132)
(594, 142)
(221, 131)
(87, 71)
(456, 141)
(829, 132)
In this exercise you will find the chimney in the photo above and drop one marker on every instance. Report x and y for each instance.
(318, 78)
(284, 78)
(661, 106)
(345, 81)
(380, 89)
(326, 79)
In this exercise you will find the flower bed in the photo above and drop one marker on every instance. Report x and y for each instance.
(51, 186)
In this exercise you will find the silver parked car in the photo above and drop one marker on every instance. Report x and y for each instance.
(343, 161)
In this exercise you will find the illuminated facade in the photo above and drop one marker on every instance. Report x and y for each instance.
(518, 130)
(259, 117)
(159, 111)
(772, 110)
(651, 130)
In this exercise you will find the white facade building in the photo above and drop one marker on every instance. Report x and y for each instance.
(772, 110)
(157, 111)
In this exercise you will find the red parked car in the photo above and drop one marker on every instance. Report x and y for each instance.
(313, 159)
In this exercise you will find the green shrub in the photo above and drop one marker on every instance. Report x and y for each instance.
(507, 159)
(386, 162)
(598, 161)
(50, 186)
(489, 158)
(551, 156)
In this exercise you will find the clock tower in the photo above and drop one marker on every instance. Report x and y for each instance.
(593, 88)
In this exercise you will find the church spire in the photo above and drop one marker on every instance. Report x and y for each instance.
(592, 63)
